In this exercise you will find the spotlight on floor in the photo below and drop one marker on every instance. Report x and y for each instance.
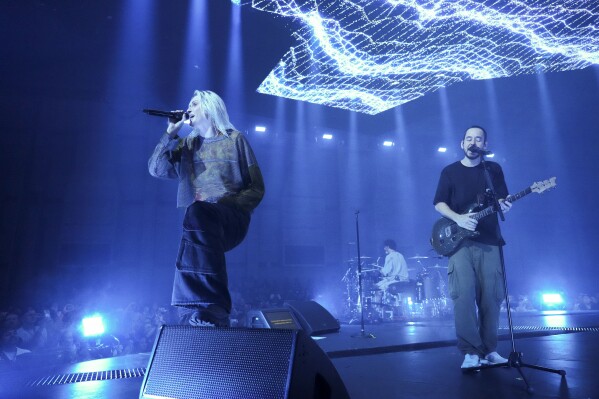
(92, 326)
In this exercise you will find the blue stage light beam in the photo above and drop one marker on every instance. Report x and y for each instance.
(373, 55)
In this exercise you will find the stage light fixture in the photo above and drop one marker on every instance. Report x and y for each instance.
(552, 299)
(92, 326)
(327, 136)
(388, 143)
(442, 149)
(372, 55)
(260, 129)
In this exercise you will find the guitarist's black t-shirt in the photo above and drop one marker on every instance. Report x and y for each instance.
(462, 188)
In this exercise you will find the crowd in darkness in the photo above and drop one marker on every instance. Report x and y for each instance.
(51, 334)
(534, 302)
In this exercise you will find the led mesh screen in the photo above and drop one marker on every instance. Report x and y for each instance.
(372, 55)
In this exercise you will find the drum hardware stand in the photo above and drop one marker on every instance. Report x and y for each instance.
(362, 334)
(515, 357)
(347, 280)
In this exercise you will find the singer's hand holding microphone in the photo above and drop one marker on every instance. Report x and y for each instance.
(176, 121)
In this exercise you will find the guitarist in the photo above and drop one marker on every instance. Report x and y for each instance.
(474, 271)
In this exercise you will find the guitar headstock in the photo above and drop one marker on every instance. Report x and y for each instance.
(540, 186)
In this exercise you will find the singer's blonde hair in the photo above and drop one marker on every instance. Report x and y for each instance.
(214, 108)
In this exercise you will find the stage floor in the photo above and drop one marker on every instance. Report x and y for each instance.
(416, 359)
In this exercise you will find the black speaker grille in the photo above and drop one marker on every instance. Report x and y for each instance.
(60, 379)
(203, 362)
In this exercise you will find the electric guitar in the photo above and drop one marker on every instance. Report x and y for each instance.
(447, 235)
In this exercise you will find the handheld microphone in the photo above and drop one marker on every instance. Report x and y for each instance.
(176, 115)
(479, 151)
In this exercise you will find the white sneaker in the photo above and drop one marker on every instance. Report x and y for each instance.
(495, 358)
(470, 361)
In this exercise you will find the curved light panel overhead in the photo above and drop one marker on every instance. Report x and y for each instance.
(372, 55)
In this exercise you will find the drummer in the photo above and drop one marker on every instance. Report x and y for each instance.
(395, 268)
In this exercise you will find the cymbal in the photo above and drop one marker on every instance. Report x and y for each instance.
(355, 258)
(425, 257)
(437, 267)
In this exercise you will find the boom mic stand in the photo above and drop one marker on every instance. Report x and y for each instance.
(515, 358)
(362, 334)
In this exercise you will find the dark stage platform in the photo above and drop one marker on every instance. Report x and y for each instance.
(414, 359)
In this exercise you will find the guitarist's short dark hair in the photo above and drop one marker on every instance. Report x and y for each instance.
(391, 244)
(476, 127)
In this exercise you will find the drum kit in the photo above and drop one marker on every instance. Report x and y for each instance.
(424, 296)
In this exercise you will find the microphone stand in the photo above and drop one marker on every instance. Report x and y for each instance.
(362, 334)
(515, 358)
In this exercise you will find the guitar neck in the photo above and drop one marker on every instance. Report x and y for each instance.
(510, 198)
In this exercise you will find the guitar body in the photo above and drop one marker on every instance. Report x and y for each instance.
(447, 236)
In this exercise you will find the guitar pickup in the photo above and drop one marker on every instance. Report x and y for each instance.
(448, 231)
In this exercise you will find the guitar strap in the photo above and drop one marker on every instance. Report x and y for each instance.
(493, 200)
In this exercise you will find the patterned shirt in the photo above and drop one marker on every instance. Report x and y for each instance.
(220, 169)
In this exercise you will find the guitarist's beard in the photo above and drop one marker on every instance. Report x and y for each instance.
(471, 157)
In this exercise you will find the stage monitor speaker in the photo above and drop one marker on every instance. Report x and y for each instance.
(273, 318)
(313, 318)
(205, 362)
